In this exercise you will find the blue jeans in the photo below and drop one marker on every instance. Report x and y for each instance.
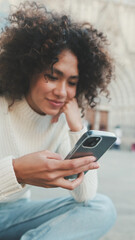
(60, 218)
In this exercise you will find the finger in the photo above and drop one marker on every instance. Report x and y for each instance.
(59, 168)
(88, 167)
(69, 103)
(70, 164)
(71, 185)
(65, 173)
(66, 184)
(53, 156)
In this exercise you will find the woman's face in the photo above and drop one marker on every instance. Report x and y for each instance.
(49, 91)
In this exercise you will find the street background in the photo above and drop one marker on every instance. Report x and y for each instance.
(117, 180)
(117, 172)
(116, 19)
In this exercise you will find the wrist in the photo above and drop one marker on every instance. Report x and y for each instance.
(77, 128)
(16, 170)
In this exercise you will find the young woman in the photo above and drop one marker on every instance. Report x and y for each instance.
(49, 66)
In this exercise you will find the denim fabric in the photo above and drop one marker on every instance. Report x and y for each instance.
(56, 219)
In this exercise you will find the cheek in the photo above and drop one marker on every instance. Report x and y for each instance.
(72, 92)
(43, 88)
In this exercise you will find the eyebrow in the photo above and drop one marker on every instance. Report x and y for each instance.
(60, 73)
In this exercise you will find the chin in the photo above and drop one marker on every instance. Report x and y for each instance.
(51, 112)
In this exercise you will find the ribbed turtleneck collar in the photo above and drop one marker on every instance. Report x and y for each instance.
(23, 109)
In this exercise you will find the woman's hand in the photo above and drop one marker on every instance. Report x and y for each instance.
(47, 169)
(72, 114)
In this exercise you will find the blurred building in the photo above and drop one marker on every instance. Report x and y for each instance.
(116, 18)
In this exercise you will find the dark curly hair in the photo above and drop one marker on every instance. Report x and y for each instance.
(34, 38)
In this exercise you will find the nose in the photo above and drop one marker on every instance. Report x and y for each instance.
(60, 89)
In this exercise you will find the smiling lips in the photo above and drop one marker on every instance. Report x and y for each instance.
(55, 103)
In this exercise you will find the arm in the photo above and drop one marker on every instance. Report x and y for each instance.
(44, 169)
(88, 187)
(35, 169)
(8, 181)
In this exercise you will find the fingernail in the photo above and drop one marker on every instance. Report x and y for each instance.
(93, 158)
(97, 165)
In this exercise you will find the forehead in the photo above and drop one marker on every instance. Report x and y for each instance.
(67, 62)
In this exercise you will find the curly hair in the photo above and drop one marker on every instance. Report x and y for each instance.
(33, 39)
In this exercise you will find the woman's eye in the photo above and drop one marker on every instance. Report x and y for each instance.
(51, 77)
(73, 83)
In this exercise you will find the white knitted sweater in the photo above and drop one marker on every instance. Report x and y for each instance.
(23, 131)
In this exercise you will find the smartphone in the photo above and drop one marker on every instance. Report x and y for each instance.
(92, 143)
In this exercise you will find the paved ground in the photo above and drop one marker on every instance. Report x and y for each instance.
(117, 180)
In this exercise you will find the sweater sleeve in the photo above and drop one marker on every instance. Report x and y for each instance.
(8, 181)
(87, 189)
